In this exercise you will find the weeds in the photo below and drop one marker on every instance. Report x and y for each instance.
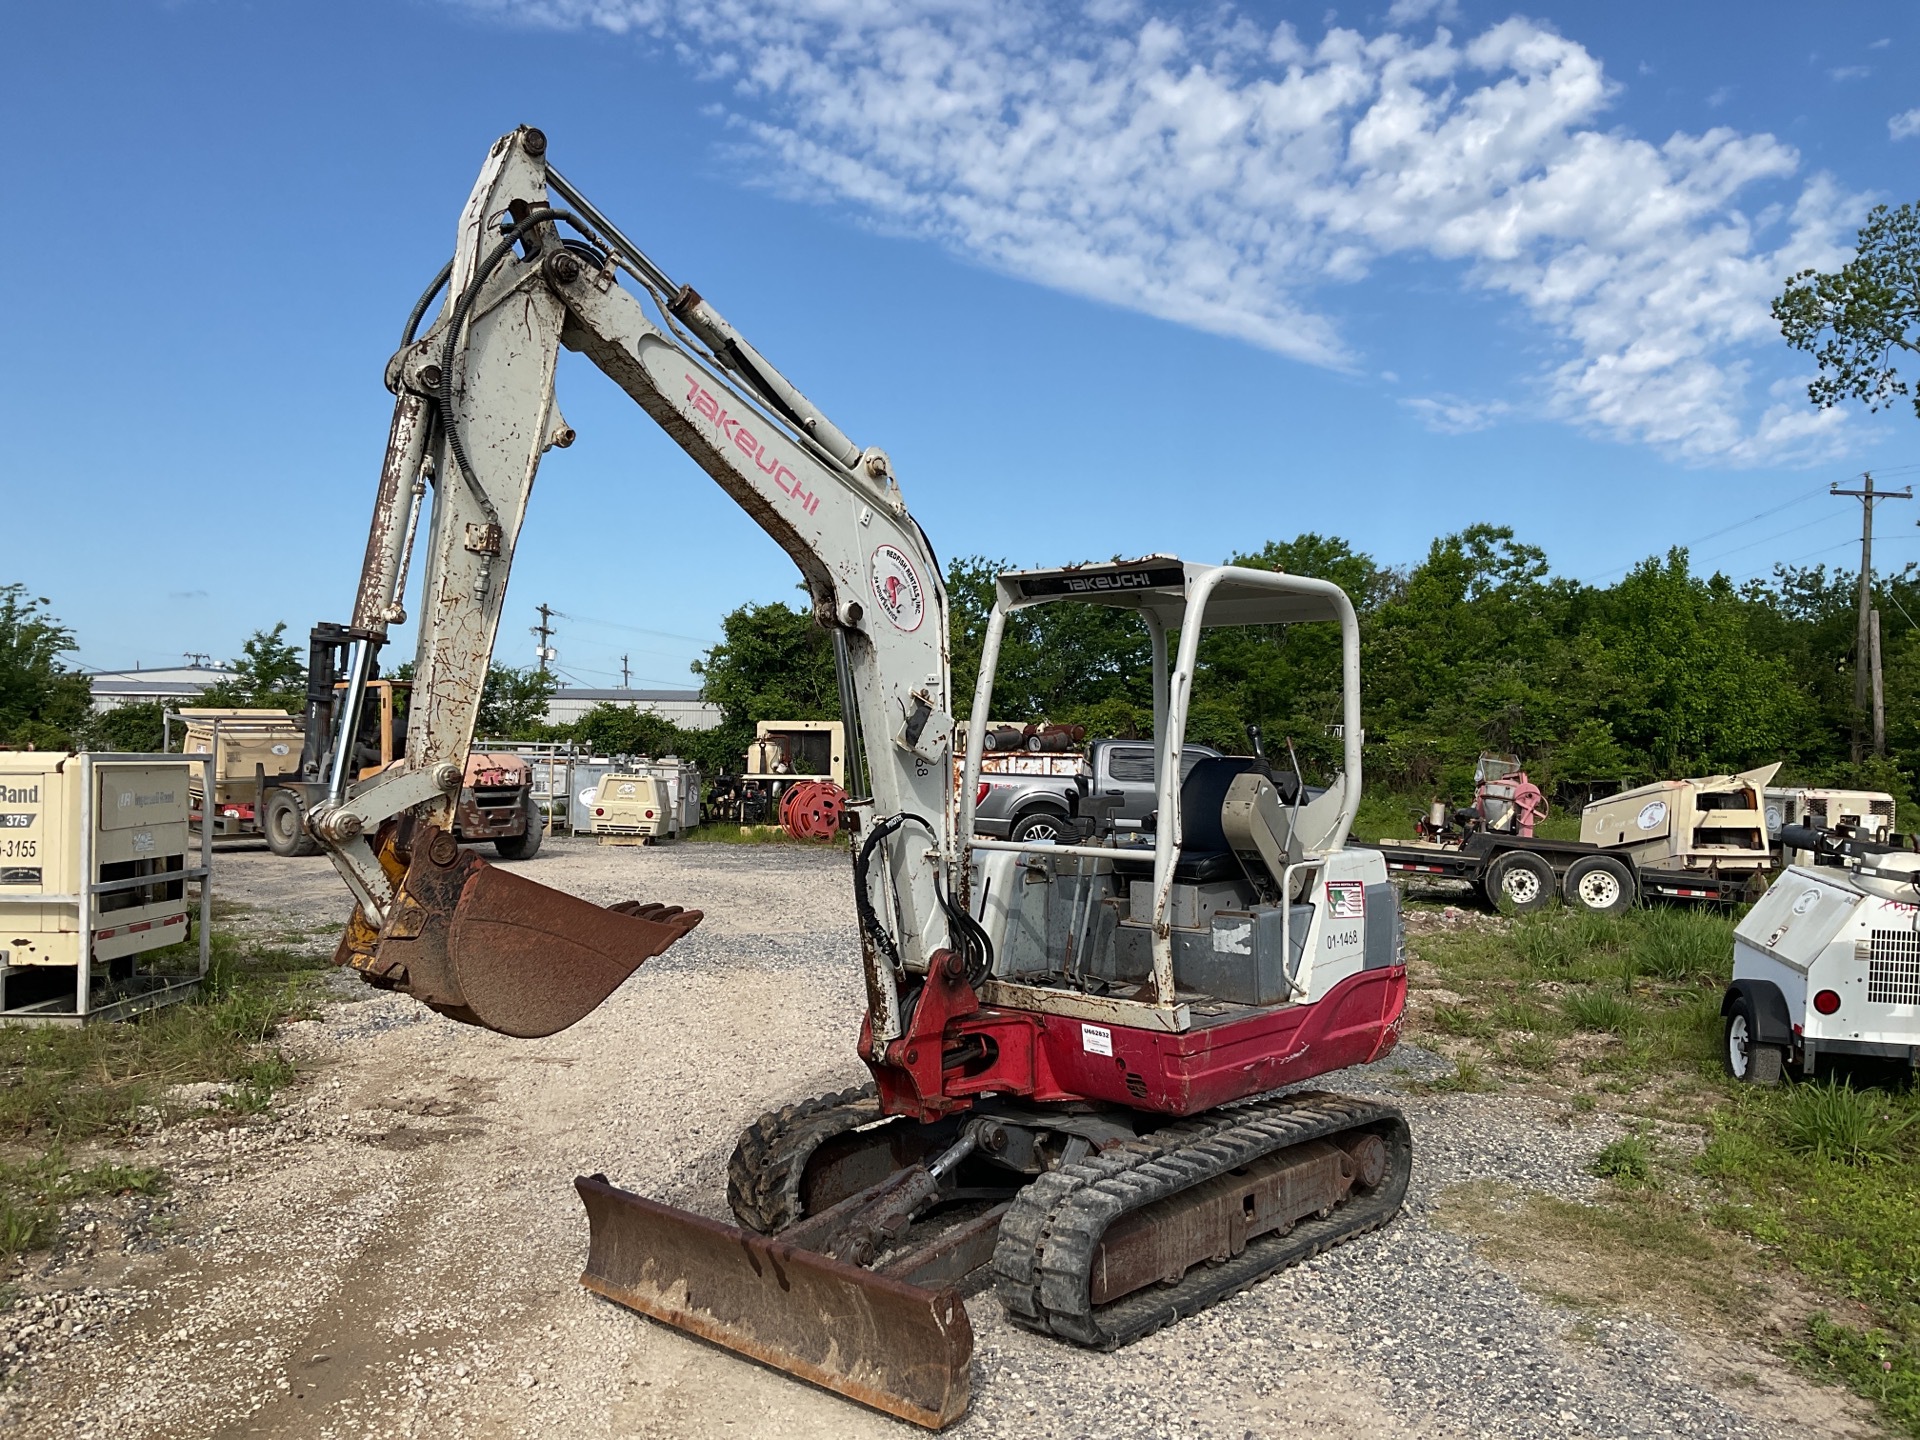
(1836, 1122)
(1873, 1363)
(1628, 1162)
(32, 1193)
(63, 1085)
(1602, 1010)
(1466, 1079)
(1531, 1052)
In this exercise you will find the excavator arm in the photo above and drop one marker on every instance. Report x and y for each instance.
(537, 269)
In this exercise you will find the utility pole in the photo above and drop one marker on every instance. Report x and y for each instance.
(544, 630)
(626, 675)
(1866, 665)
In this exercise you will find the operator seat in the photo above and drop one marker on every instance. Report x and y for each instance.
(1205, 855)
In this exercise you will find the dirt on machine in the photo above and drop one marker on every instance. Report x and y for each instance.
(1075, 1042)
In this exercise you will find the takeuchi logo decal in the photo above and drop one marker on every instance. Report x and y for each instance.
(744, 440)
(896, 588)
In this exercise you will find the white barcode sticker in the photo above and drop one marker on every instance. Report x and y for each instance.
(1096, 1040)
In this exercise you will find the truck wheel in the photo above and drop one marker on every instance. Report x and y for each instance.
(1040, 825)
(1747, 1060)
(1520, 882)
(1598, 885)
(526, 844)
(286, 825)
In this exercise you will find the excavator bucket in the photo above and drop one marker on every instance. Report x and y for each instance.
(494, 949)
(868, 1336)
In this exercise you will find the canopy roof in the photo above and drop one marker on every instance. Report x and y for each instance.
(1164, 584)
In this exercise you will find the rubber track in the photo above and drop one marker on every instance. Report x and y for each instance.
(763, 1177)
(1044, 1257)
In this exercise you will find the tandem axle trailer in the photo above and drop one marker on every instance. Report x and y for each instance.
(1525, 873)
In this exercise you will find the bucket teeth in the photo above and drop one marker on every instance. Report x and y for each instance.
(869, 1336)
(491, 948)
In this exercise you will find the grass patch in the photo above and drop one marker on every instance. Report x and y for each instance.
(33, 1192)
(1628, 1162)
(727, 833)
(1467, 1079)
(63, 1086)
(1833, 1121)
(1603, 1011)
(1642, 1249)
(1822, 1179)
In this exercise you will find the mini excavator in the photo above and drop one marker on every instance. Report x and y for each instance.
(1086, 1056)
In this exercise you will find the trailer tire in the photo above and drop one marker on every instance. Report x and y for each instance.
(1520, 882)
(526, 844)
(1746, 1059)
(1598, 885)
(285, 825)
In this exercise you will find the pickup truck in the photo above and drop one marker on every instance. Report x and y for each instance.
(1048, 807)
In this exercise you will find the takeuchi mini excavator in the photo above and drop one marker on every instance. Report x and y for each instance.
(1080, 1051)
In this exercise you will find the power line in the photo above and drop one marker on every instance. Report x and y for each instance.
(1764, 540)
(1742, 524)
(636, 629)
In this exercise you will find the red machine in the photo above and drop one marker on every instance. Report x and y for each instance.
(1074, 1046)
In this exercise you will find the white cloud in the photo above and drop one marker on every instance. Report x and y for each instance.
(1233, 176)
(1905, 125)
(1719, 97)
(1880, 44)
(1849, 72)
(1450, 415)
(1412, 12)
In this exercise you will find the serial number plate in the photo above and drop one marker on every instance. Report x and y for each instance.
(16, 821)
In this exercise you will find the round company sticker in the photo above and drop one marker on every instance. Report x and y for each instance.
(1808, 899)
(896, 588)
(1652, 814)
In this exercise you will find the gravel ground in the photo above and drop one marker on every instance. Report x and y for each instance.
(395, 1251)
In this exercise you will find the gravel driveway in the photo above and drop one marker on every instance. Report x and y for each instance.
(396, 1250)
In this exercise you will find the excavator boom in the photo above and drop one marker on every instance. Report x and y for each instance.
(535, 270)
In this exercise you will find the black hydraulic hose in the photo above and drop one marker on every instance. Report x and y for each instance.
(426, 299)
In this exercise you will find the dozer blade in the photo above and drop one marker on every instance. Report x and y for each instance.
(491, 948)
(867, 1336)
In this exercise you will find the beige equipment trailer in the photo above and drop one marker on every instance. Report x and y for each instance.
(782, 753)
(1866, 815)
(95, 862)
(1713, 825)
(634, 808)
(252, 751)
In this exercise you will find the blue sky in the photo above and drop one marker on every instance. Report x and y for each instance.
(1102, 278)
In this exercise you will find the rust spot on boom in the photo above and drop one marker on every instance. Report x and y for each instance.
(491, 948)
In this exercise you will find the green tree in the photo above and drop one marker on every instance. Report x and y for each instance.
(1070, 663)
(773, 662)
(132, 727)
(43, 704)
(269, 674)
(1862, 321)
(1683, 688)
(513, 703)
(623, 730)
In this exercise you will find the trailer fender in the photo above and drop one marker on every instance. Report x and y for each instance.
(1772, 1024)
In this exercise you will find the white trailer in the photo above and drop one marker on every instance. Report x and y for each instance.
(1827, 963)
